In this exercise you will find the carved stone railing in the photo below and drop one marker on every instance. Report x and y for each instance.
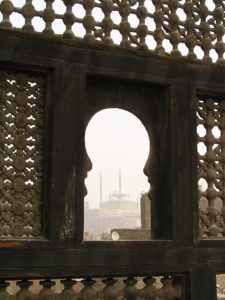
(211, 166)
(120, 288)
(192, 29)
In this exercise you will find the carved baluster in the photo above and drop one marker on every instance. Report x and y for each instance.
(110, 292)
(124, 27)
(6, 8)
(3, 293)
(142, 29)
(206, 43)
(28, 12)
(221, 126)
(219, 30)
(211, 174)
(169, 292)
(24, 293)
(190, 39)
(107, 23)
(203, 223)
(69, 19)
(49, 17)
(174, 22)
(68, 292)
(130, 290)
(88, 293)
(89, 21)
(203, 219)
(220, 167)
(47, 293)
(149, 291)
(158, 18)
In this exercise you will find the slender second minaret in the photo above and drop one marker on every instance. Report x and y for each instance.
(100, 187)
(120, 192)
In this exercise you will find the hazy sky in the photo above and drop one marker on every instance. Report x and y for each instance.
(116, 139)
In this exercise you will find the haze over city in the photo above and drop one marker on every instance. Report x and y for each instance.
(116, 140)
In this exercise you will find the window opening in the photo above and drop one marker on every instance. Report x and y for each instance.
(116, 205)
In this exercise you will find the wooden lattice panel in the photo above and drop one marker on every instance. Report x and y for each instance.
(211, 167)
(179, 28)
(21, 146)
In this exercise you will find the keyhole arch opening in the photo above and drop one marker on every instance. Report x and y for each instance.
(117, 146)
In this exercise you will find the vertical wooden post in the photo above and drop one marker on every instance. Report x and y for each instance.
(203, 283)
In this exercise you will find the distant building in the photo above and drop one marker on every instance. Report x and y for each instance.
(120, 214)
(117, 212)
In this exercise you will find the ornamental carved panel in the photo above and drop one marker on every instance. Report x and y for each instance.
(21, 149)
(181, 29)
(211, 166)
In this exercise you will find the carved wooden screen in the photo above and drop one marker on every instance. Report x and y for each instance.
(210, 115)
(50, 87)
(22, 108)
(169, 28)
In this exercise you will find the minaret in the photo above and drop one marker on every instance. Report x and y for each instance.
(120, 193)
(100, 187)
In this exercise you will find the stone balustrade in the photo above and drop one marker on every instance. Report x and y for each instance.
(110, 288)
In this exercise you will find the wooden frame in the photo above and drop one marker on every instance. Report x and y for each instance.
(178, 251)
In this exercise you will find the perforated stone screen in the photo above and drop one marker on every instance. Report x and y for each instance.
(179, 28)
(21, 147)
